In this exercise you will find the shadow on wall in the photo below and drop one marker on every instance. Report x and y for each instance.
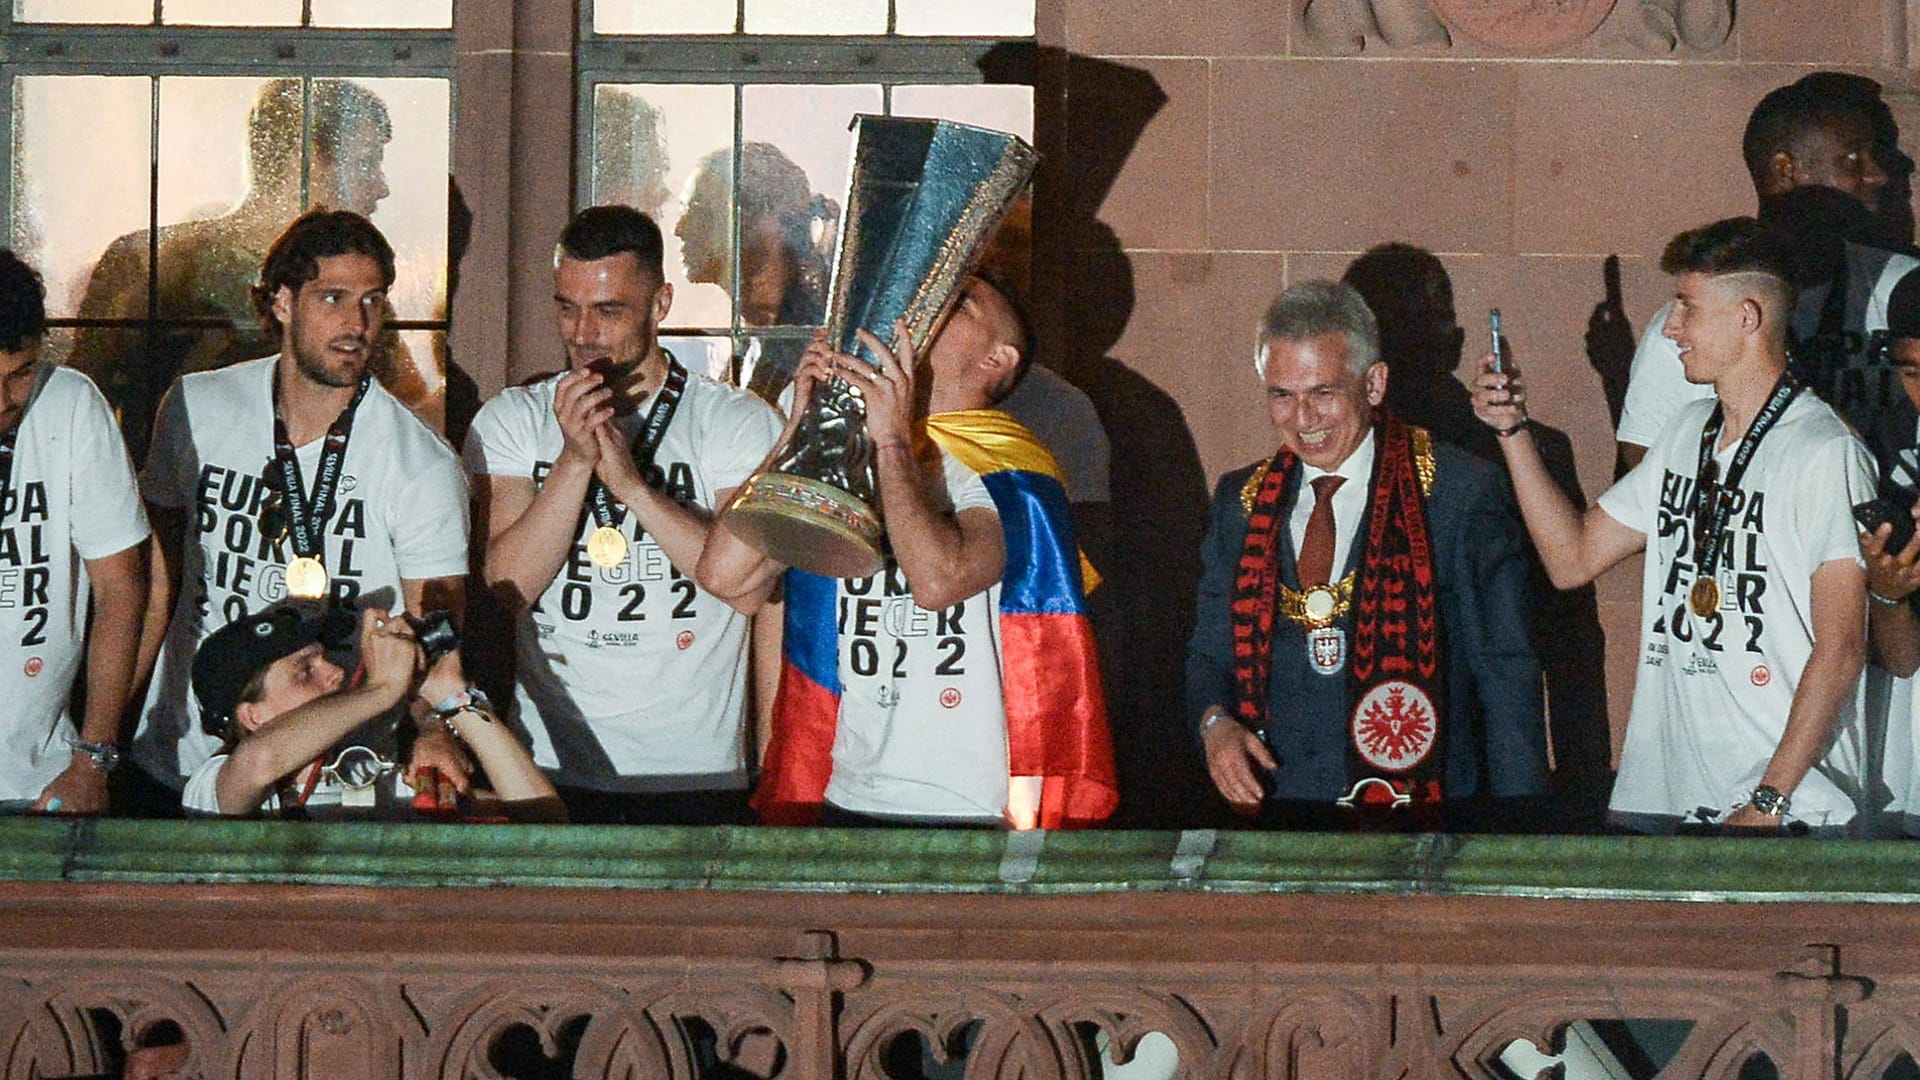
(1158, 487)
(1423, 344)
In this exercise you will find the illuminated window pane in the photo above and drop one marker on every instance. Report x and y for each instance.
(406, 180)
(220, 209)
(1002, 108)
(816, 16)
(214, 224)
(793, 178)
(73, 196)
(412, 365)
(711, 356)
(384, 14)
(230, 12)
(655, 147)
(977, 18)
(664, 16)
(135, 12)
(768, 361)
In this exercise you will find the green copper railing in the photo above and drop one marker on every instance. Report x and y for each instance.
(929, 861)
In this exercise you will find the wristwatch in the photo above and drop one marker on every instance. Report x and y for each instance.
(1768, 800)
(105, 756)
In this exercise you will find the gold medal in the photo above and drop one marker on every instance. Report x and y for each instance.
(1705, 598)
(606, 547)
(306, 578)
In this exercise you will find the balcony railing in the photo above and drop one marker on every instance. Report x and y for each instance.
(243, 949)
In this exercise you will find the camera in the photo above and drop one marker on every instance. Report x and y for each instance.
(436, 634)
(340, 631)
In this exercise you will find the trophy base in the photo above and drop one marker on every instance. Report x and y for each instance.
(807, 524)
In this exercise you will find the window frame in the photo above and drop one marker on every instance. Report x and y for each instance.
(742, 59)
(156, 52)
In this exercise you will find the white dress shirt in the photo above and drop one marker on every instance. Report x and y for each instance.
(1349, 502)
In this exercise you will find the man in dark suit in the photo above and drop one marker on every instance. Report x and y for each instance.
(1361, 648)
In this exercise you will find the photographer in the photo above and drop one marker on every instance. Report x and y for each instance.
(286, 708)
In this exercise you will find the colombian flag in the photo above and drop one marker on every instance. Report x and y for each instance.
(1059, 747)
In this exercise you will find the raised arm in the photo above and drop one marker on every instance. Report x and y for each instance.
(1893, 628)
(681, 531)
(296, 737)
(945, 557)
(517, 783)
(729, 567)
(528, 531)
(1576, 544)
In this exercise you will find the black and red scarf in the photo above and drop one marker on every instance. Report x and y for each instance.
(1395, 653)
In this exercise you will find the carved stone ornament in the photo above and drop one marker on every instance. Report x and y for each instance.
(1533, 26)
(1521, 26)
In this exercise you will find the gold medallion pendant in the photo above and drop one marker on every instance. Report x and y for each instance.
(606, 547)
(1320, 604)
(1705, 597)
(306, 578)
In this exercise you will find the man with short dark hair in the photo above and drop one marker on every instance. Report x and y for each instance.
(1360, 655)
(1821, 152)
(286, 711)
(294, 476)
(1745, 709)
(912, 696)
(71, 530)
(594, 490)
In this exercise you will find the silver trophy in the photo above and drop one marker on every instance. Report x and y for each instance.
(924, 199)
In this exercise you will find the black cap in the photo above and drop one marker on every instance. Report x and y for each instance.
(231, 656)
(1903, 307)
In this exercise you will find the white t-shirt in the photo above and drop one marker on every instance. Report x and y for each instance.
(71, 497)
(1711, 699)
(631, 678)
(400, 513)
(1865, 382)
(1063, 418)
(923, 725)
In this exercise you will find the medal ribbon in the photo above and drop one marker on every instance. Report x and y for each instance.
(307, 520)
(606, 512)
(1711, 508)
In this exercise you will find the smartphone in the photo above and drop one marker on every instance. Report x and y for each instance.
(1493, 331)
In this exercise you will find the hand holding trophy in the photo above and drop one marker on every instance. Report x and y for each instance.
(924, 199)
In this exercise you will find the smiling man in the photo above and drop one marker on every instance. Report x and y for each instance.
(296, 476)
(1361, 650)
(1746, 706)
(594, 490)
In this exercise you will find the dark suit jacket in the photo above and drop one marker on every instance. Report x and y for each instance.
(1494, 735)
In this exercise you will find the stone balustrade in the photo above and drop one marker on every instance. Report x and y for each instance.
(263, 949)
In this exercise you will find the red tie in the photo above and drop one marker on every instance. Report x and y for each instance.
(1316, 549)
